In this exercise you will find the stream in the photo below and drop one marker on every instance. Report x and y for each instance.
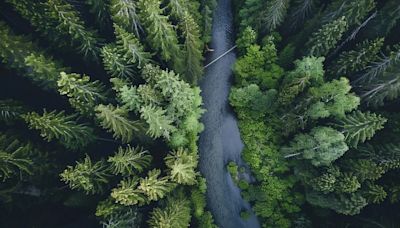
(220, 141)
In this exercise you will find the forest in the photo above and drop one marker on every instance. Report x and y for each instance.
(101, 112)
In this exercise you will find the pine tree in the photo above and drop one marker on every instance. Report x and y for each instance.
(115, 119)
(124, 13)
(160, 33)
(275, 13)
(83, 94)
(375, 193)
(159, 123)
(86, 175)
(14, 160)
(115, 63)
(358, 127)
(69, 24)
(356, 60)
(326, 38)
(20, 54)
(61, 127)
(206, 10)
(176, 213)
(128, 194)
(100, 9)
(129, 160)
(182, 166)
(131, 48)
(155, 187)
(11, 110)
(322, 146)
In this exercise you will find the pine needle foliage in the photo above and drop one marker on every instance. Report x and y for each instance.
(130, 160)
(115, 120)
(159, 124)
(154, 186)
(11, 110)
(86, 175)
(359, 127)
(176, 213)
(124, 13)
(128, 194)
(60, 127)
(83, 94)
(115, 63)
(182, 165)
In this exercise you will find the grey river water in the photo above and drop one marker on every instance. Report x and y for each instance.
(220, 141)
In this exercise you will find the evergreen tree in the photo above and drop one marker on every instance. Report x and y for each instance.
(83, 95)
(115, 63)
(124, 13)
(115, 119)
(159, 123)
(100, 9)
(322, 146)
(155, 187)
(131, 48)
(128, 194)
(86, 175)
(182, 166)
(61, 127)
(358, 127)
(14, 160)
(176, 213)
(10, 110)
(326, 38)
(128, 160)
(357, 59)
(275, 13)
(375, 193)
(207, 11)
(160, 33)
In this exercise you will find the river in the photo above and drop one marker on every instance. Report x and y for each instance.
(220, 141)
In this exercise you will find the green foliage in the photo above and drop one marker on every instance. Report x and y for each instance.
(129, 160)
(246, 38)
(159, 124)
(375, 193)
(86, 175)
(128, 194)
(10, 110)
(154, 187)
(182, 165)
(176, 213)
(258, 66)
(160, 33)
(13, 158)
(275, 13)
(61, 127)
(115, 120)
(124, 13)
(326, 38)
(308, 71)
(322, 146)
(198, 200)
(83, 95)
(357, 59)
(207, 10)
(115, 63)
(100, 9)
(68, 23)
(358, 127)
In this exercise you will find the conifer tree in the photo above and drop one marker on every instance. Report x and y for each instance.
(275, 13)
(100, 9)
(61, 127)
(83, 94)
(182, 166)
(160, 33)
(11, 110)
(124, 13)
(176, 213)
(86, 175)
(115, 63)
(358, 127)
(128, 194)
(206, 10)
(357, 59)
(155, 187)
(159, 123)
(115, 120)
(14, 160)
(129, 160)
(131, 48)
(325, 39)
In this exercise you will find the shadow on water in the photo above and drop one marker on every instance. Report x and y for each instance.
(220, 142)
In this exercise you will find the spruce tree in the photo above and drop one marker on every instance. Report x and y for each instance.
(176, 213)
(154, 186)
(159, 123)
(124, 13)
(129, 160)
(115, 62)
(115, 120)
(60, 127)
(182, 166)
(128, 194)
(11, 110)
(86, 175)
(358, 127)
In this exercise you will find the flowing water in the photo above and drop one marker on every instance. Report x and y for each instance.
(220, 141)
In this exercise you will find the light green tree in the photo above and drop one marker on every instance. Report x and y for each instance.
(129, 160)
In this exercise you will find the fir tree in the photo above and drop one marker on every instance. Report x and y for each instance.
(115, 119)
(124, 13)
(159, 123)
(275, 13)
(182, 166)
(115, 63)
(128, 194)
(61, 127)
(325, 39)
(358, 127)
(129, 160)
(83, 95)
(11, 110)
(155, 187)
(375, 193)
(86, 175)
(176, 213)
(100, 9)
